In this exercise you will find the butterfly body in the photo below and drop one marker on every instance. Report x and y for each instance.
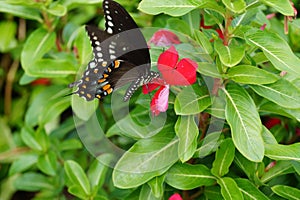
(121, 56)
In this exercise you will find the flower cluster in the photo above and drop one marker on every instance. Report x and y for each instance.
(174, 72)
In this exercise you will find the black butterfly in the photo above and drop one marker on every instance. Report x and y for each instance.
(121, 48)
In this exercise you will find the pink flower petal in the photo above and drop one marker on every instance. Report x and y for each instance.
(159, 102)
(175, 196)
(164, 38)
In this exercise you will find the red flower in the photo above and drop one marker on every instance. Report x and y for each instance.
(174, 73)
(164, 38)
(175, 196)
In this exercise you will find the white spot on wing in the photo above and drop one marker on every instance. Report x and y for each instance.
(109, 30)
(112, 51)
(109, 23)
(108, 17)
(97, 43)
(113, 57)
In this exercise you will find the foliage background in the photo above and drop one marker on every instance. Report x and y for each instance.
(42, 157)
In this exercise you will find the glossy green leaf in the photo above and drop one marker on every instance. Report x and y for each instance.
(51, 68)
(77, 176)
(7, 37)
(209, 144)
(276, 49)
(249, 190)
(244, 121)
(37, 45)
(97, 171)
(83, 109)
(223, 159)
(296, 166)
(229, 55)
(268, 137)
(157, 186)
(23, 163)
(237, 6)
(208, 69)
(203, 41)
(83, 45)
(192, 100)
(271, 107)
(287, 192)
(47, 163)
(283, 152)
(57, 9)
(77, 191)
(21, 11)
(251, 75)
(229, 188)
(146, 193)
(281, 168)
(146, 159)
(176, 8)
(29, 138)
(70, 144)
(54, 107)
(251, 169)
(213, 192)
(282, 92)
(33, 182)
(187, 132)
(282, 6)
(186, 177)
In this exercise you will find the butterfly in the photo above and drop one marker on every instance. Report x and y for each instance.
(121, 56)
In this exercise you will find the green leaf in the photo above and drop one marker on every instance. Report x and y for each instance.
(282, 92)
(29, 138)
(176, 8)
(251, 75)
(77, 191)
(271, 107)
(237, 6)
(83, 45)
(77, 177)
(57, 9)
(287, 192)
(51, 68)
(281, 168)
(23, 163)
(208, 69)
(203, 41)
(249, 190)
(146, 159)
(276, 49)
(83, 109)
(224, 158)
(283, 152)
(97, 171)
(268, 137)
(213, 192)
(33, 182)
(39, 102)
(192, 100)
(229, 188)
(296, 166)
(209, 144)
(47, 163)
(7, 37)
(70, 144)
(21, 11)
(36, 46)
(230, 55)
(146, 193)
(244, 121)
(282, 6)
(187, 132)
(251, 169)
(157, 186)
(186, 176)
